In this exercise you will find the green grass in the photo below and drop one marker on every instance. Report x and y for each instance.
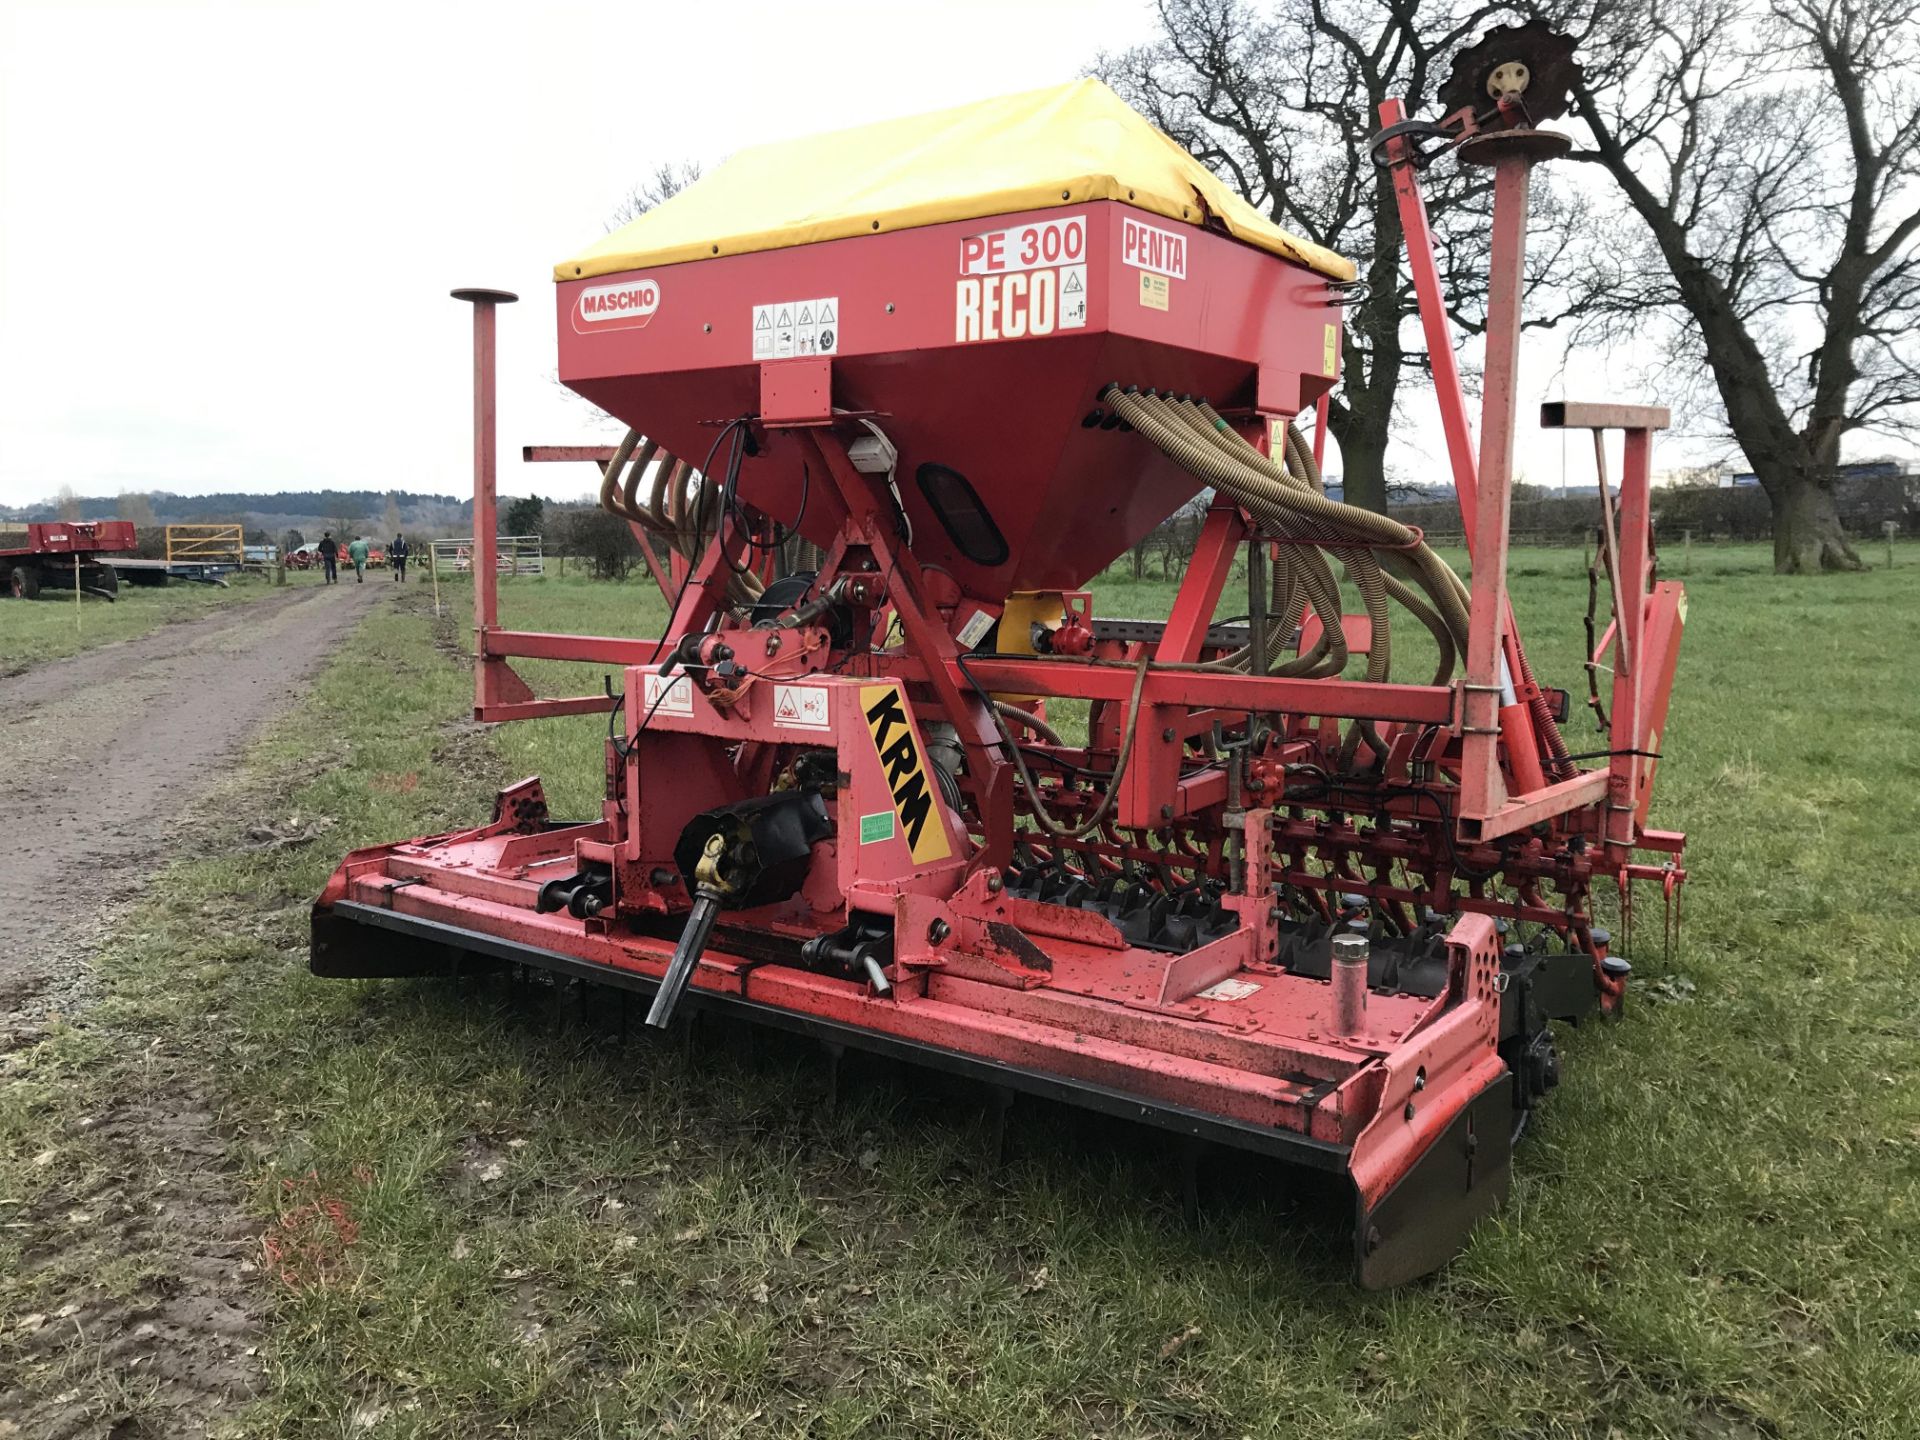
(1712, 1232)
(35, 631)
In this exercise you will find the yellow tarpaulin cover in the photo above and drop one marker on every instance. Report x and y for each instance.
(1065, 145)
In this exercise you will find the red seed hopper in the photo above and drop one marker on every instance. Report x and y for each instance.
(892, 778)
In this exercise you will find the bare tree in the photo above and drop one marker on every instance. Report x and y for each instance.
(664, 183)
(137, 509)
(1281, 100)
(67, 503)
(1770, 150)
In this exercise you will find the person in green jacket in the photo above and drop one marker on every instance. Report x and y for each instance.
(357, 552)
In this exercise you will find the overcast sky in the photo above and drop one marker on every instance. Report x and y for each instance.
(227, 232)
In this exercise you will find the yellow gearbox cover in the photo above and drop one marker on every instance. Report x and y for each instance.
(1065, 145)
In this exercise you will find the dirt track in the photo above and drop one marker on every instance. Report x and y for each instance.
(106, 752)
(106, 757)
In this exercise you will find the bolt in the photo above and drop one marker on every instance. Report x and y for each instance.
(938, 931)
(889, 307)
(1167, 734)
(1166, 812)
(661, 876)
(707, 328)
(1420, 1078)
(1273, 914)
(1408, 1112)
(773, 644)
(994, 882)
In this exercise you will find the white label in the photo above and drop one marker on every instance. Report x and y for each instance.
(801, 707)
(667, 695)
(624, 305)
(1041, 245)
(1020, 306)
(791, 328)
(977, 626)
(1022, 282)
(1073, 297)
(1228, 990)
(1148, 247)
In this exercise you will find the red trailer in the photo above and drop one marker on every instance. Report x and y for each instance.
(59, 554)
(974, 357)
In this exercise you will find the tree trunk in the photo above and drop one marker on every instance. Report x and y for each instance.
(1807, 537)
(1363, 469)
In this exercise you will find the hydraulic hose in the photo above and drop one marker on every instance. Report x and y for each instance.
(1041, 816)
(1029, 720)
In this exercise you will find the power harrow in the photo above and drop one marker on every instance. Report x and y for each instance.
(1271, 894)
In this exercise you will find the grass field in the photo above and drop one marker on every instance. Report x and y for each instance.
(1714, 1232)
(34, 631)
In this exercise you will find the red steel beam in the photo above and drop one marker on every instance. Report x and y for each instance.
(601, 455)
(494, 714)
(594, 649)
(486, 581)
(1446, 374)
(1199, 593)
(1628, 734)
(1481, 789)
(1587, 415)
(1556, 799)
(1205, 689)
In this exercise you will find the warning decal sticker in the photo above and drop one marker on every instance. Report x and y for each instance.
(906, 776)
(667, 694)
(801, 707)
(793, 328)
(1027, 280)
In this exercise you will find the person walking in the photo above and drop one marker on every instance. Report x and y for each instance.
(397, 556)
(330, 556)
(357, 552)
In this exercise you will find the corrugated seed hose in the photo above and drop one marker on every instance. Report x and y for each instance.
(1285, 504)
(681, 505)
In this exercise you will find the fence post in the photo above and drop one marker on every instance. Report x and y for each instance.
(1889, 528)
(1686, 563)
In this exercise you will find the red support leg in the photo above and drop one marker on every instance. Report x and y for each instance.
(1627, 734)
(1489, 684)
(1206, 577)
(493, 680)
